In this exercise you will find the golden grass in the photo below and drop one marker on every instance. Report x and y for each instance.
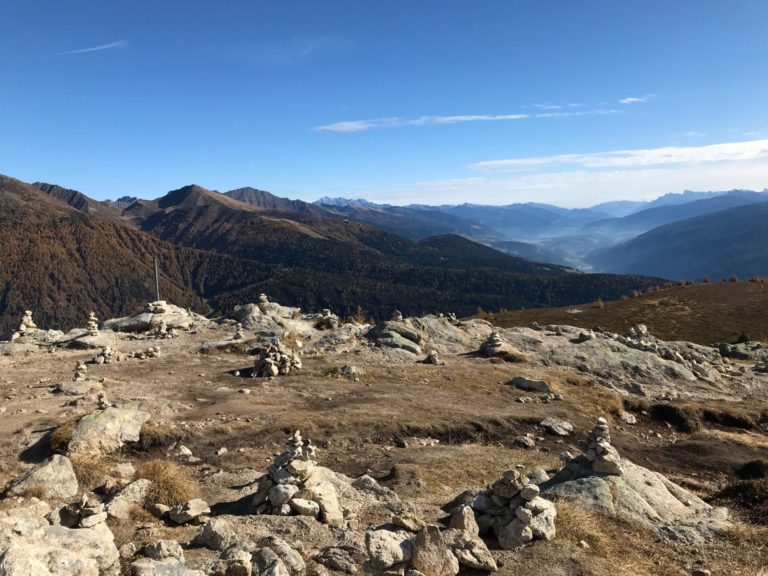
(158, 436)
(60, 438)
(91, 471)
(171, 484)
(38, 492)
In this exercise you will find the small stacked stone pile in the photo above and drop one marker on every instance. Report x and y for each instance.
(239, 332)
(327, 321)
(492, 343)
(81, 372)
(151, 352)
(26, 325)
(276, 360)
(496, 347)
(86, 513)
(604, 457)
(761, 367)
(102, 403)
(161, 331)
(513, 510)
(156, 307)
(93, 324)
(106, 356)
(397, 316)
(433, 358)
(284, 489)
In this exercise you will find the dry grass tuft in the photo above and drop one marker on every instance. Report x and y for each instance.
(158, 437)
(38, 492)
(91, 471)
(513, 355)
(60, 438)
(291, 340)
(171, 484)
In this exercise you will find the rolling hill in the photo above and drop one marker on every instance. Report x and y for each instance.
(702, 313)
(215, 252)
(725, 243)
(650, 218)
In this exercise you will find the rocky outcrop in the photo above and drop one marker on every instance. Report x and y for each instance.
(600, 479)
(29, 544)
(106, 430)
(394, 334)
(54, 477)
(159, 317)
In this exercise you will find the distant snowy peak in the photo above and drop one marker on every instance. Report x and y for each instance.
(342, 202)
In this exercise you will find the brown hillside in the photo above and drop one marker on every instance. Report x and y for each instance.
(703, 313)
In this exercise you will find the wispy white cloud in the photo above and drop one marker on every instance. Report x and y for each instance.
(109, 46)
(398, 122)
(636, 99)
(395, 122)
(578, 188)
(669, 155)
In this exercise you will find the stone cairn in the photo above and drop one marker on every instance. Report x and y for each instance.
(156, 307)
(433, 357)
(26, 325)
(283, 490)
(263, 299)
(397, 316)
(151, 352)
(492, 344)
(275, 360)
(327, 321)
(496, 347)
(513, 510)
(106, 356)
(81, 372)
(102, 403)
(603, 457)
(93, 324)
(85, 513)
(239, 332)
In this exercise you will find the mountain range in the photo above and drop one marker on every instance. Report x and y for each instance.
(65, 254)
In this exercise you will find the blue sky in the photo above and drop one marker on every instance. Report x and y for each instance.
(432, 101)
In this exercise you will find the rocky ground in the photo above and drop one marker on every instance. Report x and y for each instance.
(166, 443)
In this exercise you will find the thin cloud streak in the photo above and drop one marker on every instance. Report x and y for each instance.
(636, 99)
(579, 188)
(669, 155)
(350, 126)
(110, 46)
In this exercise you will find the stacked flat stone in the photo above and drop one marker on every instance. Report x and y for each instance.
(603, 456)
(151, 352)
(327, 321)
(285, 489)
(27, 324)
(156, 307)
(81, 372)
(161, 331)
(85, 513)
(239, 332)
(276, 360)
(102, 402)
(493, 343)
(263, 299)
(513, 510)
(397, 316)
(106, 356)
(433, 358)
(93, 324)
